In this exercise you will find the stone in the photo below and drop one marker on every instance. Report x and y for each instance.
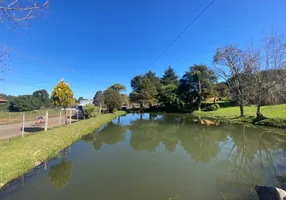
(270, 193)
(37, 163)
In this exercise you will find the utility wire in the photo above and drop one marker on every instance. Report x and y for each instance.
(190, 24)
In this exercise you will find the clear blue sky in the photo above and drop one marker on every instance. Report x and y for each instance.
(93, 44)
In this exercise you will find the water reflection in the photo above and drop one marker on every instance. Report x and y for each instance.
(59, 174)
(247, 155)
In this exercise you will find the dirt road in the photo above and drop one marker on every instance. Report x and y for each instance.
(13, 130)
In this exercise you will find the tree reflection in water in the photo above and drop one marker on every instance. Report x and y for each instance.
(246, 155)
(59, 174)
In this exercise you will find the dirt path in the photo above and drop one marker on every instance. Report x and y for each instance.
(13, 130)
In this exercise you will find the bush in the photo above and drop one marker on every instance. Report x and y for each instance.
(24, 103)
(91, 110)
(217, 106)
(212, 107)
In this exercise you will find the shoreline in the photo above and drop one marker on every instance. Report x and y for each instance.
(20, 155)
(267, 122)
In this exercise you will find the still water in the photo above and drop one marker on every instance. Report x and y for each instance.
(156, 157)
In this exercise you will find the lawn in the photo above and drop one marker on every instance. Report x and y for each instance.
(19, 155)
(16, 117)
(276, 114)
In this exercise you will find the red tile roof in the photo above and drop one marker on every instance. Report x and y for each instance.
(3, 100)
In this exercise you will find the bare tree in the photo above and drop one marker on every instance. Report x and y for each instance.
(14, 13)
(229, 64)
(17, 12)
(267, 63)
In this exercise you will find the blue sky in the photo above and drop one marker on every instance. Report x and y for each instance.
(93, 44)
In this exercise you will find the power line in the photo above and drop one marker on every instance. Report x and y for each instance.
(190, 24)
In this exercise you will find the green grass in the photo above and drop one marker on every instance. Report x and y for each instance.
(276, 115)
(19, 155)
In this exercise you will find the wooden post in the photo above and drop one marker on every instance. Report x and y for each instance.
(70, 115)
(47, 120)
(46, 165)
(60, 119)
(77, 116)
(23, 125)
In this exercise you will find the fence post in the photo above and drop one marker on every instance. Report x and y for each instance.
(23, 124)
(60, 119)
(47, 120)
(70, 115)
(77, 116)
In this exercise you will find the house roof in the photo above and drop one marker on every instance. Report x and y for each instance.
(3, 100)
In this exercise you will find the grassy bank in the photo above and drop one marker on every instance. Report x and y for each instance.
(19, 155)
(275, 115)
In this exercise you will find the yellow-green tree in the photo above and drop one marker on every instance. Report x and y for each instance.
(62, 96)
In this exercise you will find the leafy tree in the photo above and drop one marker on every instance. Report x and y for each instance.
(220, 90)
(168, 90)
(155, 81)
(24, 103)
(98, 99)
(43, 96)
(197, 82)
(168, 95)
(144, 91)
(60, 174)
(169, 77)
(118, 87)
(62, 96)
(112, 99)
(125, 99)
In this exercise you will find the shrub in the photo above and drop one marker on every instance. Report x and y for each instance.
(91, 110)
(212, 107)
(217, 106)
(24, 103)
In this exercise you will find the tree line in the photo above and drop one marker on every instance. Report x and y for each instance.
(254, 75)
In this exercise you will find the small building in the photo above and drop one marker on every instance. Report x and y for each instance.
(3, 100)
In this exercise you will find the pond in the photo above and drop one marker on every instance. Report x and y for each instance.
(159, 157)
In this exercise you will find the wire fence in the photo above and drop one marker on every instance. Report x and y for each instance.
(20, 123)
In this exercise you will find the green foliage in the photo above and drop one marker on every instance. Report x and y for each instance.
(221, 90)
(145, 88)
(4, 107)
(112, 100)
(60, 174)
(91, 110)
(196, 83)
(98, 99)
(212, 107)
(168, 94)
(169, 77)
(118, 87)
(217, 106)
(24, 103)
(125, 99)
(43, 96)
(62, 95)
